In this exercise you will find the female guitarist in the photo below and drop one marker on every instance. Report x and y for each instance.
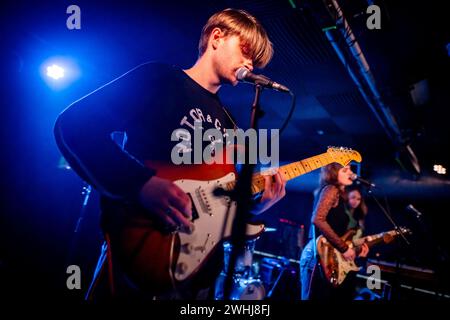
(329, 218)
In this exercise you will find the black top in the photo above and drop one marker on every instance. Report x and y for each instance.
(338, 219)
(154, 107)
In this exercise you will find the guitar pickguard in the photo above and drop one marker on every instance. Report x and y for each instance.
(214, 223)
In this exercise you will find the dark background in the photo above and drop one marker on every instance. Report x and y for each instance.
(41, 200)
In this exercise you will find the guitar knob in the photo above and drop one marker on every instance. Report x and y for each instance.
(182, 268)
(188, 230)
(187, 248)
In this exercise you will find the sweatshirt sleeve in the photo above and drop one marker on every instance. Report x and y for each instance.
(84, 131)
(327, 200)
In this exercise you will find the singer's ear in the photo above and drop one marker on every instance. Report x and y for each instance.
(216, 35)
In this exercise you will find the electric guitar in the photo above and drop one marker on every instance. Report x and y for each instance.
(160, 260)
(334, 266)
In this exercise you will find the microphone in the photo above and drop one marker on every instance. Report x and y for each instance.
(414, 210)
(245, 75)
(354, 177)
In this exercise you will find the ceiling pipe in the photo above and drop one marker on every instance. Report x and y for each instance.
(355, 79)
(364, 68)
(381, 111)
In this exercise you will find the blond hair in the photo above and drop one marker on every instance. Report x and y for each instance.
(254, 39)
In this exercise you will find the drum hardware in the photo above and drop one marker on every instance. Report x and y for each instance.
(245, 285)
(280, 274)
(244, 288)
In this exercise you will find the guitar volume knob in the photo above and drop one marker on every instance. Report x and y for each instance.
(187, 248)
(182, 268)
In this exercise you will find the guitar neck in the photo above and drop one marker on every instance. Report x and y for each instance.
(374, 239)
(290, 171)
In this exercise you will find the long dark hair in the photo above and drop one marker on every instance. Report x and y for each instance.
(361, 210)
(328, 176)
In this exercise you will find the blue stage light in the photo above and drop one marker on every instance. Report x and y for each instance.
(54, 71)
(60, 72)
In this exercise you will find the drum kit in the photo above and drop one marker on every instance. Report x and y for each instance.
(251, 280)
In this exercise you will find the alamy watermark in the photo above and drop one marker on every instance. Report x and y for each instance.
(74, 20)
(374, 20)
(74, 279)
(218, 147)
(374, 280)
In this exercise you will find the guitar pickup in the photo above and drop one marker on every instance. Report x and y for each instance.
(195, 215)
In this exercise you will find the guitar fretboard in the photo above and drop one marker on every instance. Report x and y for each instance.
(294, 170)
(375, 239)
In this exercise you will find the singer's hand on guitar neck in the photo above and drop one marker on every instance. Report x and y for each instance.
(167, 202)
(274, 191)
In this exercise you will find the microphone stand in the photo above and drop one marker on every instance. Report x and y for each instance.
(398, 229)
(440, 259)
(242, 194)
(86, 192)
(388, 216)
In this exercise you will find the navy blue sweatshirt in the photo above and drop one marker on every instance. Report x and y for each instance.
(147, 105)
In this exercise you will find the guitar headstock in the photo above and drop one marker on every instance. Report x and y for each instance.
(344, 156)
(405, 231)
(391, 235)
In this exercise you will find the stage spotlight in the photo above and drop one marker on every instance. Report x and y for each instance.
(54, 71)
(439, 169)
(59, 72)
